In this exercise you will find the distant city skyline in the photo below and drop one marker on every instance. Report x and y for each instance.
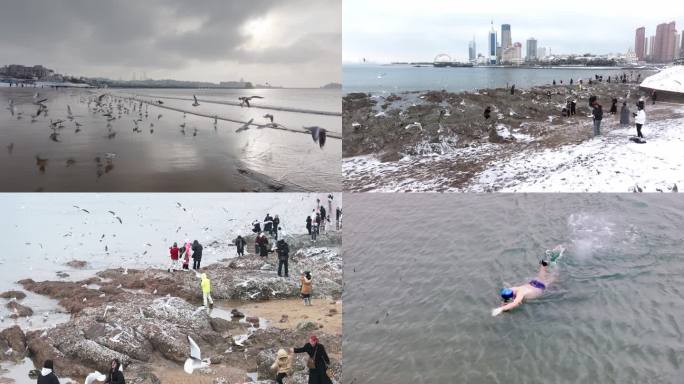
(265, 41)
(385, 31)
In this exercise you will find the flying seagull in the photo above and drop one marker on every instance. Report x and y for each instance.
(196, 103)
(318, 134)
(245, 126)
(195, 360)
(269, 116)
(245, 99)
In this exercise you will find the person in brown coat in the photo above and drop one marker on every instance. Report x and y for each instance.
(305, 279)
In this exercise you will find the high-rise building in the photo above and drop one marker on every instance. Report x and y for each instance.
(505, 36)
(531, 54)
(677, 45)
(651, 47)
(646, 48)
(640, 42)
(492, 45)
(663, 48)
(472, 51)
(541, 53)
(512, 54)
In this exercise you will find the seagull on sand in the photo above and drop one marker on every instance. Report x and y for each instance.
(245, 126)
(318, 134)
(269, 116)
(196, 103)
(195, 360)
(95, 376)
(414, 125)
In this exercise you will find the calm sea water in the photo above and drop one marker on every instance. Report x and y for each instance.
(42, 232)
(422, 273)
(402, 78)
(166, 159)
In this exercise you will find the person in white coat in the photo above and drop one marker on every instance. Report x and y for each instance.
(640, 120)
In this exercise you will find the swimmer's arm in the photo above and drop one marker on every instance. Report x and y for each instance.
(517, 301)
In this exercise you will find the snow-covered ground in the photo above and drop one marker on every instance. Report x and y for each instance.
(609, 163)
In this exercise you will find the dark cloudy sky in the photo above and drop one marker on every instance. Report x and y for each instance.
(410, 30)
(294, 43)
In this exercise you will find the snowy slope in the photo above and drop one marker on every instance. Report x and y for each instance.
(670, 80)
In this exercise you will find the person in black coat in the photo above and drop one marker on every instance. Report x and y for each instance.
(487, 112)
(573, 107)
(47, 376)
(196, 254)
(513, 89)
(316, 351)
(308, 224)
(613, 107)
(276, 226)
(283, 251)
(240, 244)
(256, 226)
(115, 376)
(268, 224)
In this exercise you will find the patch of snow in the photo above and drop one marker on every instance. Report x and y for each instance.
(670, 80)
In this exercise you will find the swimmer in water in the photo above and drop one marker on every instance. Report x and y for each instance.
(514, 296)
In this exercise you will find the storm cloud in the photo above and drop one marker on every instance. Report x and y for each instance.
(294, 43)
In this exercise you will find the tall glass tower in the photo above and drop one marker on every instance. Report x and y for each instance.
(492, 45)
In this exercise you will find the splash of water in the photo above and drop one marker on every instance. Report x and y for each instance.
(589, 234)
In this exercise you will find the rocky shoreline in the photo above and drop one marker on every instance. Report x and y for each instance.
(143, 317)
(453, 143)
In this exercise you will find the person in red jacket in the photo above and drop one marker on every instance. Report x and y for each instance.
(262, 242)
(173, 251)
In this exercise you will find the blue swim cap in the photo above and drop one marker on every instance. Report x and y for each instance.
(507, 293)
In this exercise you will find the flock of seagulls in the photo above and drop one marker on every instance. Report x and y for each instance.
(115, 108)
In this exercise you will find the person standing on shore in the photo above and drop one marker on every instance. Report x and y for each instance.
(613, 106)
(196, 254)
(597, 113)
(47, 374)
(186, 251)
(513, 89)
(571, 81)
(268, 224)
(487, 112)
(554, 81)
(261, 244)
(276, 226)
(173, 251)
(283, 251)
(240, 244)
(640, 120)
(319, 222)
(318, 361)
(205, 284)
(306, 281)
(654, 96)
(308, 225)
(256, 226)
(624, 115)
(573, 107)
(338, 218)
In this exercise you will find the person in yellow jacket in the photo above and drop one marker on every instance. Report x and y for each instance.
(205, 283)
(282, 365)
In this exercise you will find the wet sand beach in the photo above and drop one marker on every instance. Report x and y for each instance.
(166, 149)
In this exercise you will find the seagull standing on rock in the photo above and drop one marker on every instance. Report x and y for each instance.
(195, 360)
